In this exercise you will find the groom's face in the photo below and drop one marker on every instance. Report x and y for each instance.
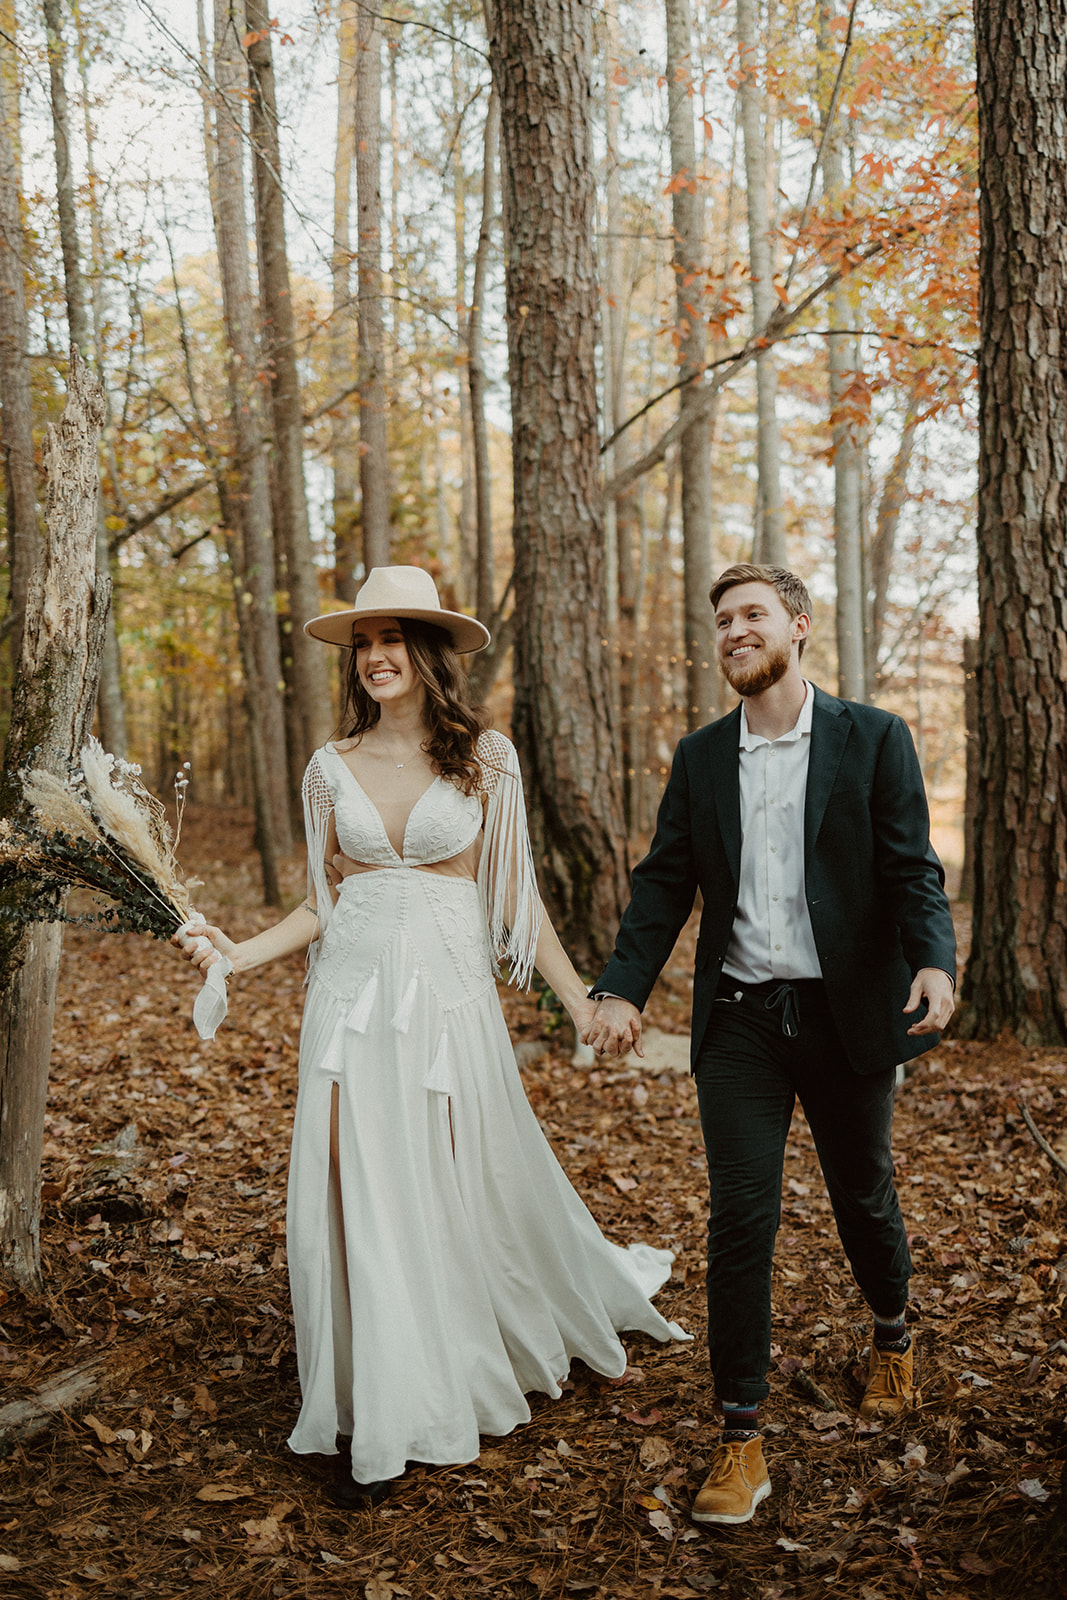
(756, 637)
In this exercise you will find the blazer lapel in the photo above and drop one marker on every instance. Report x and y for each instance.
(830, 728)
(725, 785)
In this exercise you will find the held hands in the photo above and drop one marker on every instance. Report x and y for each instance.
(614, 1028)
(936, 988)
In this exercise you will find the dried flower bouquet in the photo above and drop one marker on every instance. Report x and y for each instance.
(98, 829)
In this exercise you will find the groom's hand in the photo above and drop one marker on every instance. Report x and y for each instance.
(615, 1029)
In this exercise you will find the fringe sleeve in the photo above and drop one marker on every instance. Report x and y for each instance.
(318, 812)
(506, 878)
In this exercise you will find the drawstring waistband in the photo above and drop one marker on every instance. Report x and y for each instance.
(784, 999)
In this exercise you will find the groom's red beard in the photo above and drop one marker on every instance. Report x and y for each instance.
(749, 675)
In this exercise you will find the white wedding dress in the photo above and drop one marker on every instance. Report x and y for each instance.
(457, 1270)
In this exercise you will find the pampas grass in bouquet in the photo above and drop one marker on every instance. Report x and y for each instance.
(98, 829)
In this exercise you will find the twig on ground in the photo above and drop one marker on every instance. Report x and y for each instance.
(1038, 1137)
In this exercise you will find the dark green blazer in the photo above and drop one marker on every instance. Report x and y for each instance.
(874, 887)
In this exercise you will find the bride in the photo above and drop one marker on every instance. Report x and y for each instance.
(441, 1266)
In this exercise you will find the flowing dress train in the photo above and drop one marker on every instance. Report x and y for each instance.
(453, 1269)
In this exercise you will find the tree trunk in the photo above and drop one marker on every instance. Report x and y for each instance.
(690, 270)
(769, 546)
(20, 482)
(344, 445)
(467, 564)
(110, 704)
(1016, 976)
(476, 371)
(541, 52)
(894, 494)
(52, 713)
(970, 782)
(251, 492)
(311, 694)
(848, 460)
(373, 433)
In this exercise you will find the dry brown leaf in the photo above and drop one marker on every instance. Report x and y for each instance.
(225, 1491)
(655, 1452)
(203, 1401)
(105, 1434)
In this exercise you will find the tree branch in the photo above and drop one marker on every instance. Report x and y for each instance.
(695, 410)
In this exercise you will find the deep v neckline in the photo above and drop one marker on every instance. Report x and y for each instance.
(401, 854)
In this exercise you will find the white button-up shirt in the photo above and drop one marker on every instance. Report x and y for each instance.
(772, 935)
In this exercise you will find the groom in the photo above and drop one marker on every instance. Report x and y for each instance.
(825, 957)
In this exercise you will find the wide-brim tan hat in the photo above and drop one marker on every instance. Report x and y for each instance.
(405, 592)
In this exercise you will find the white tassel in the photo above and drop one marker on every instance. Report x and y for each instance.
(402, 1014)
(359, 1016)
(439, 1079)
(333, 1057)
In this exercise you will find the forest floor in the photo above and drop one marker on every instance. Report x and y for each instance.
(164, 1255)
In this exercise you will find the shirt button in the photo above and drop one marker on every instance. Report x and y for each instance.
(777, 947)
(774, 849)
(774, 897)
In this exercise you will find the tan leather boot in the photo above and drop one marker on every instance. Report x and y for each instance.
(890, 1387)
(735, 1485)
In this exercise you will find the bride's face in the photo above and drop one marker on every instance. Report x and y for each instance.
(383, 663)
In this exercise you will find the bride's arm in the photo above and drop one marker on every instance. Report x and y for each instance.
(294, 932)
(557, 969)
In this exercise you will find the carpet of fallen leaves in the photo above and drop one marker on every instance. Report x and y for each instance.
(164, 1250)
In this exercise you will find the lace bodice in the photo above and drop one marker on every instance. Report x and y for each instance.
(442, 824)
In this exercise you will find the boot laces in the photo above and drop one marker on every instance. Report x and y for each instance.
(726, 1458)
(889, 1377)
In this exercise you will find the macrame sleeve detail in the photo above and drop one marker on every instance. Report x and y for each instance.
(506, 878)
(318, 814)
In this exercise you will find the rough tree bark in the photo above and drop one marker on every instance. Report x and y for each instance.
(52, 714)
(20, 484)
(257, 614)
(687, 211)
(312, 721)
(1016, 976)
(344, 445)
(541, 52)
(373, 432)
(110, 706)
(769, 545)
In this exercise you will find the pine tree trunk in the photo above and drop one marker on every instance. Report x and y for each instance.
(52, 713)
(109, 703)
(769, 547)
(311, 693)
(373, 432)
(541, 51)
(690, 265)
(251, 492)
(344, 445)
(1016, 976)
(20, 482)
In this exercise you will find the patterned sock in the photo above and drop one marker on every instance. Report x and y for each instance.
(739, 1422)
(891, 1333)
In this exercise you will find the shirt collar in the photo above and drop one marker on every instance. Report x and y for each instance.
(802, 726)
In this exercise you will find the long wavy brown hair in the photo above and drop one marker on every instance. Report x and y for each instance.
(453, 724)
